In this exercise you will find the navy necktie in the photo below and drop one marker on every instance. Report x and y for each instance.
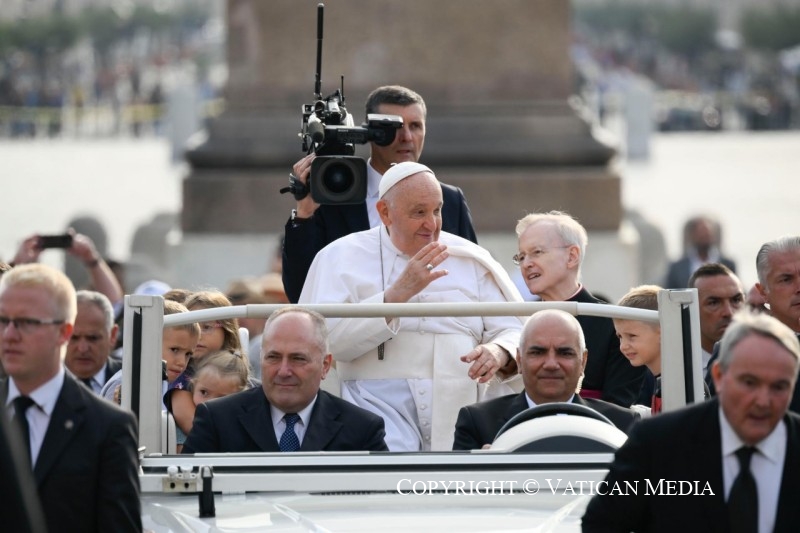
(21, 405)
(743, 499)
(289, 441)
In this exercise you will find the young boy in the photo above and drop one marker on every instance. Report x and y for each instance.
(640, 342)
(178, 343)
(177, 346)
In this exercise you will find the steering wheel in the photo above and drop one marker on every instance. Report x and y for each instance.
(550, 409)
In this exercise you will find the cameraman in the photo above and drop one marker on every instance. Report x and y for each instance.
(313, 226)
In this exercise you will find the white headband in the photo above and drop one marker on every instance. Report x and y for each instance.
(397, 173)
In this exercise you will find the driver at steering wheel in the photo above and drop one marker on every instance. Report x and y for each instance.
(551, 357)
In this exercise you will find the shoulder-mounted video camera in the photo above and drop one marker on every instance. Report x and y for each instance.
(327, 129)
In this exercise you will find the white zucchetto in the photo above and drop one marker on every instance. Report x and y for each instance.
(397, 173)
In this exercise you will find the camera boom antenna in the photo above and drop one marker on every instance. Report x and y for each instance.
(328, 131)
(318, 81)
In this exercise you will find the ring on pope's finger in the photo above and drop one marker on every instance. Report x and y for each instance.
(429, 266)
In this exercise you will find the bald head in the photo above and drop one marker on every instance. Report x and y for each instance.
(551, 356)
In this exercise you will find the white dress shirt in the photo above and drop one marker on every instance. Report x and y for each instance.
(373, 181)
(38, 415)
(300, 427)
(695, 262)
(766, 466)
(532, 404)
(98, 380)
(706, 358)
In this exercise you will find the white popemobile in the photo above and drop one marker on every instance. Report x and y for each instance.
(539, 487)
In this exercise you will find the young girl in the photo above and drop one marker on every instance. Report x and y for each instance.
(218, 374)
(214, 336)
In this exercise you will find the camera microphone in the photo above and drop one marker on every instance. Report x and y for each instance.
(316, 130)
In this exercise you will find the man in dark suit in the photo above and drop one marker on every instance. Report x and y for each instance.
(701, 240)
(552, 247)
(737, 455)
(313, 226)
(289, 412)
(82, 448)
(778, 267)
(719, 296)
(551, 358)
(93, 339)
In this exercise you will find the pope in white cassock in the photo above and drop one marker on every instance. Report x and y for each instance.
(415, 372)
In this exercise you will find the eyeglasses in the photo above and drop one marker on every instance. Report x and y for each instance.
(25, 325)
(534, 254)
(208, 327)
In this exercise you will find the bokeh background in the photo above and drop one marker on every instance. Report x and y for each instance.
(99, 98)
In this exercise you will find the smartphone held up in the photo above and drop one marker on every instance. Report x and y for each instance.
(54, 241)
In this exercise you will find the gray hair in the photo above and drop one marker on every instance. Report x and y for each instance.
(786, 243)
(569, 230)
(100, 301)
(746, 323)
(320, 326)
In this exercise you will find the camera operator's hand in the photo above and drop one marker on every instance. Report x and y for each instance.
(28, 251)
(302, 170)
(417, 275)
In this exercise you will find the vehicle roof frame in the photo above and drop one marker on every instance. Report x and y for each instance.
(144, 320)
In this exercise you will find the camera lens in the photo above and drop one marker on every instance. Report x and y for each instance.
(338, 179)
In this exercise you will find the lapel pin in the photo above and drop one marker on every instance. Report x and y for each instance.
(69, 424)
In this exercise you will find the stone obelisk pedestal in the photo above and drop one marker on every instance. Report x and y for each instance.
(497, 80)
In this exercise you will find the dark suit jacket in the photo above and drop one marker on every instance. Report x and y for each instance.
(242, 422)
(303, 240)
(683, 445)
(607, 369)
(479, 423)
(679, 272)
(21, 509)
(87, 470)
(112, 367)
